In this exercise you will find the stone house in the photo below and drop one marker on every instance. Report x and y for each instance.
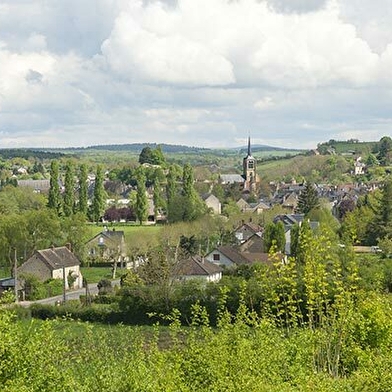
(107, 246)
(213, 203)
(54, 263)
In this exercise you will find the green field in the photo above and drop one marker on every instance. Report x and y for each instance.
(128, 229)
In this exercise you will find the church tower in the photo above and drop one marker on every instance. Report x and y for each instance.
(249, 170)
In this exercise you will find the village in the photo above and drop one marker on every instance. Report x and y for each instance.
(250, 229)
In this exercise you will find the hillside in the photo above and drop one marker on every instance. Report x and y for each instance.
(353, 147)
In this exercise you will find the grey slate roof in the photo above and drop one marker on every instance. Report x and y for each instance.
(38, 185)
(114, 236)
(57, 258)
(232, 178)
(7, 282)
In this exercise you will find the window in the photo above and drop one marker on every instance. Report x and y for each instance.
(250, 164)
(216, 256)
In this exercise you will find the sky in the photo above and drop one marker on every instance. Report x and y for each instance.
(205, 73)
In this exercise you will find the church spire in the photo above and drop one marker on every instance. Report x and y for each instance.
(249, 151)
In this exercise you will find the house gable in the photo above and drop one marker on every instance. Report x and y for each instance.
(106, 244)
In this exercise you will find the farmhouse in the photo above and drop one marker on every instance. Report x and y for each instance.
(107, 246)
(54, 263)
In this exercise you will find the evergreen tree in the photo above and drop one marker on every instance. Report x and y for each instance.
(69, 193)
(308, 199)
(98, 204)
(54, 200)
(141, 199)
(83, 194)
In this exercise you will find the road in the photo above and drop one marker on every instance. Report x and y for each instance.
(69, 295)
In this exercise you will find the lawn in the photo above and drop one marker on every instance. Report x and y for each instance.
(128, 229)
(95, 274)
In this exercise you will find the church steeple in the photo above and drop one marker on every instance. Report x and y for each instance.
(249, 169)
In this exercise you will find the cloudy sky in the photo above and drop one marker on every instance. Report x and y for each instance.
(208, 73)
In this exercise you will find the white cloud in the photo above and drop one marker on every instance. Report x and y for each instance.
(145, 44)
(264, 103)
(195, 72)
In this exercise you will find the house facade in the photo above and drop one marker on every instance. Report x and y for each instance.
(227, 256)
(213, 203)
(54, 263)
(107, 246)
(247, 230)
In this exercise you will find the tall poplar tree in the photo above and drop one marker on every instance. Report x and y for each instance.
(69, 193)
(98, 204)
(171, 191)
(83, 194)
(141, 199)
(192, 203)
(171, 187)
(157, 197)
(54, 200)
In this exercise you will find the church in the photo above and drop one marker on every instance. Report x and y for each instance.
(249, 178)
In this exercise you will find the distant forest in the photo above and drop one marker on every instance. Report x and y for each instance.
(137, 147)
(29, 153)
